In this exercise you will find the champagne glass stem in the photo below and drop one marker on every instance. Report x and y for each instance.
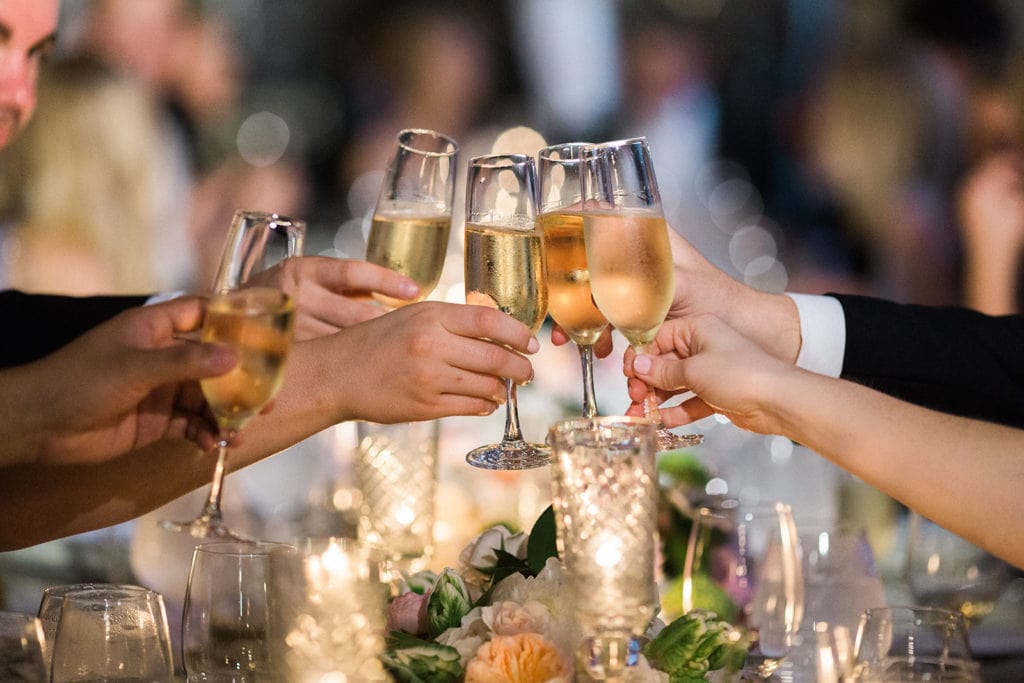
(512, 429)
(667, 441)
(587, 362)
(211, 511)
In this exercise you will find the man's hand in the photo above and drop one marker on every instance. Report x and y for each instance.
(120, 386)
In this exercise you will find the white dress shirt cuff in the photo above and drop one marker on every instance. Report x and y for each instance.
(162, 297)
(822, 333)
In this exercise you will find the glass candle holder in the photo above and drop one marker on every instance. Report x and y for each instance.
(332, 611)
(604, 495)
(396, 471)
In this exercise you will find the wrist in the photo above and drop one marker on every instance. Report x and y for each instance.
(771, 320)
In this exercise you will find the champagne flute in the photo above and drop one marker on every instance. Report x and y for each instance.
(257, 320)
(505, 270)
(413, 216)
(628, 252)
(570, 301)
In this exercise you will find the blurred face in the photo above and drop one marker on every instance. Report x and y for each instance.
(27, 33)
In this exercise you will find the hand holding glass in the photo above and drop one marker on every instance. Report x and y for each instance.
(413, 215)
(257, 321)
(505, 270)
(628, 252)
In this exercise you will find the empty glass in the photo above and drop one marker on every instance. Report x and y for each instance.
(745, 563)
(22, 648)
(112, 633)
(51, 603)
(605, 500)
(228, 631)
(943, 570)
(913, 644)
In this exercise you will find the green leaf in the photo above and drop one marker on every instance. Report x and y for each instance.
(541, 544)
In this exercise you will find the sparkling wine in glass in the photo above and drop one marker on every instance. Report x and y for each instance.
(505, 270)
(413, 215)
(256, 319)
(628, 252)
(570, 301)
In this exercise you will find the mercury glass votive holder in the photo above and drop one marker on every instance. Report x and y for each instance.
(604, 493)
(331, 608)
(396, 472)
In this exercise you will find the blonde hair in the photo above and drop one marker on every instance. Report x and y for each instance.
(86, 174)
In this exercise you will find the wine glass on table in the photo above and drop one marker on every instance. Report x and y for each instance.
(413, 216)
(944, 570)
(505, 270)
(628, 252)
(256, 319)
(570, 301)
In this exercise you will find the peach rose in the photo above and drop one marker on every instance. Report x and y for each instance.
(520, 658)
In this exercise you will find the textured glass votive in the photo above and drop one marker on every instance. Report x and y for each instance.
(332, 610)
(396, 471)
(604, 492)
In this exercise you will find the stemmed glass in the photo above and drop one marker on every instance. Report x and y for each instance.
(412, 219)
(628, 252)
(570, 301)
(944, 570)
(505, 270)
(747, 560)
(913, 644)
(256, 319)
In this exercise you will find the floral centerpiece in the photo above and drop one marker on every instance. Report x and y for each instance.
(503, 616)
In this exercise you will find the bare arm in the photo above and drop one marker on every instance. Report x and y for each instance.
(423, 361)
(964, 474)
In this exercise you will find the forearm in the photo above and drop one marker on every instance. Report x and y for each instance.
(22, 424)
(966, 475)
(44, 502)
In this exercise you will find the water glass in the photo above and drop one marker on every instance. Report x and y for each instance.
(228, 630)
(913, 644)
(331, 609)
(112, 633)
(605, 500)
(22, 648)
(841, 580)
(396, 472)
(744, 564)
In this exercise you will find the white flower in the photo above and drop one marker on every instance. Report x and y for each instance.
(480, 556)
(506, 618)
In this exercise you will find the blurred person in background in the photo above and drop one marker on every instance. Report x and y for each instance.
(87, 191)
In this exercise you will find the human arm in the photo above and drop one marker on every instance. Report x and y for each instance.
(423, 361)
(916, 455)
(122, 385)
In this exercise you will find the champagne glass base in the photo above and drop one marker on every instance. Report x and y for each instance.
(510, 455)
(667, 441)
(205, 526)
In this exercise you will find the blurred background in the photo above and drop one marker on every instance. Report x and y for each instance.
(865, 146)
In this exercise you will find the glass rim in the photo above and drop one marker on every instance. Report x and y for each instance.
(577, 147)
(408, 132)
(111, 594)
(616, 144)
(585, 424)
(242, 548)
(914, 611)
(269, 217)
(494, 160)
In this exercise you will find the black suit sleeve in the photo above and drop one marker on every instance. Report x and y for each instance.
(951, 359)
(38, 324)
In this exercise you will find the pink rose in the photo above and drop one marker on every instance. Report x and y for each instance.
(408, 612)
